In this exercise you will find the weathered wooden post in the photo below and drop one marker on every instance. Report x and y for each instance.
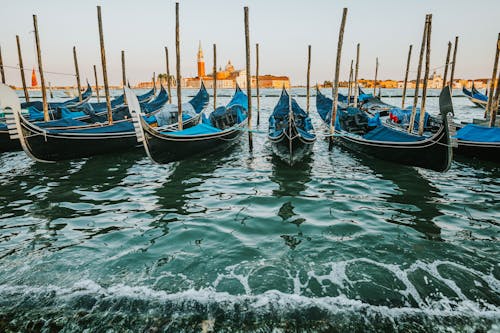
(214, 78)
(154, 83)
(178, 67)
(257, 84)
(426, 76)
(356, 71)
(124, 75)
(104, 68)
(96, 84)
(405, 85)
(447, 63)
(452, 75)
(308, 83)
(21, 69)
(375, 81)
(169, 83)
(78, 85)
(50, 90)
(249, 78)
(349, 84)
(336, 79)
(419, 73)
(489, 108)
(496, 101)
(40, 69)
(1, 67)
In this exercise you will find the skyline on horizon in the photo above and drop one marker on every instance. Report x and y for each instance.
(283, 46)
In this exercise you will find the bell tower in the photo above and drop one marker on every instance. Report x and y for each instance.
(201, 62)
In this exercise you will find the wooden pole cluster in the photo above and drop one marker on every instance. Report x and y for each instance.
(356, 71)
(308, 84)
(257, 83)
(215, 76)
(21, 69)
(426, 76)
(447, 64)
(40, 69)
(178, 67)
(104, 68)
(452, 74)
(405, 85)
(169, 82)
(336, 79)
(249, 77)
(78, 85)
(489, 108)
(96, 84)
(349, 85)
(375, 81)
(419, 73)
(1, 67)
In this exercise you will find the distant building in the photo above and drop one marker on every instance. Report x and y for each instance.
(229, 77)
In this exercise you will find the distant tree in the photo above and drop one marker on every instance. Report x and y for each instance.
(327, 84)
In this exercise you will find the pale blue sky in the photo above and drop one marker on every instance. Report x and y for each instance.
(283, 28)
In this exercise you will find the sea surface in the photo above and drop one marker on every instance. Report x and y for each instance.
(237, 241)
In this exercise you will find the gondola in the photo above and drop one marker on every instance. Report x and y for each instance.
(72, 138)
(476, 97)
(291, 132)
(75, 102)
(217, 132)
(480, 142)
(362, 134)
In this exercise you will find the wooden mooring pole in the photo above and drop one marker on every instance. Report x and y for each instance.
(40, 69)
(405, 85)
(489, 108)
(178, 67)
(78, 85)
(215, 76)
(452, 74)
(96, 84)
(349, 85)
(2, 73)
(257, 84)
(426, 76)
(375, 81)
(249, 79)
(104, 68)
(308, 83)
(419, 73)
(169, 81)
(336, 79)
(446, 65)
(356, 71)
(21, 69)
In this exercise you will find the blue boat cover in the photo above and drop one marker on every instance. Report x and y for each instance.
(402, 116)
(478, 133)
(3, 126)
(196, 130)
(278, 121)
(67, 113)
(475, 94)
(66, 122)
(200, 101)
(157, 103)
(384, 133)
(34, 114)
(124, 127)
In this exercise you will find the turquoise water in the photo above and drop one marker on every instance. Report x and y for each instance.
(237, 241)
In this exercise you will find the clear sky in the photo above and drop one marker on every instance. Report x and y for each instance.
(284, 28)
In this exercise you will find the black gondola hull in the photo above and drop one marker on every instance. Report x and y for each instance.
(171, 148)
(291, 150)
(8, 144)
(433, 153)
(485, 151)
